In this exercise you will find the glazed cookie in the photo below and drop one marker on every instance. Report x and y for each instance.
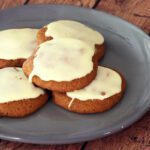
(16, 46)
(62, 65)
(72, 29)
(103, 93)
(19, 98)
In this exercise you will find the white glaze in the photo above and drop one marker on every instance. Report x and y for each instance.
(62, 60)
(70, 103)
(107, 81)
(14, 86)
(73, 29)
(17, 43)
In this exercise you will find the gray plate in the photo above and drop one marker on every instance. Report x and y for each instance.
(128, 51)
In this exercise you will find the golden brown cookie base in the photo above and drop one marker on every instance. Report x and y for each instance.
(40, 37)
(99, 52)
(64, 86)
(100, 49)
(23, 107)
(89, 106)
(11, 63)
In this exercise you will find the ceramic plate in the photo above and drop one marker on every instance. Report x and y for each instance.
(128, 51)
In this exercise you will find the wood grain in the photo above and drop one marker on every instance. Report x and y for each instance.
(6, 145)
(135, 11)
(136, 137)
(85, 3)
(10, 3)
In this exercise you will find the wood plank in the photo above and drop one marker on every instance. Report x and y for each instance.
(84, 3)
(21, 146)
(134, 11)
(136, 137)
(10, 3)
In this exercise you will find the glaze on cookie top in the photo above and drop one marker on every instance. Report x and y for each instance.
(17, 43)
(14, 86)
(73, 29)
(63, 59)
(106, 84)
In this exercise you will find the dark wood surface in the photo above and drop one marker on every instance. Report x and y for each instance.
(137, 136)
(135, 11)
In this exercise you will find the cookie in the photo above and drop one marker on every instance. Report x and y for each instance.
(72, 29)
(19, 98)
(62, 65)
(105, 91)
(16, 46)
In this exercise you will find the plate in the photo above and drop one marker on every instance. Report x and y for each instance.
(128, 51)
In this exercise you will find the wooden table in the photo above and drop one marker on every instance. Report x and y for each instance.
(137, 136)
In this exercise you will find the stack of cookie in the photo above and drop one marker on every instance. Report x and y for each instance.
(18, 97)
(66, 63)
